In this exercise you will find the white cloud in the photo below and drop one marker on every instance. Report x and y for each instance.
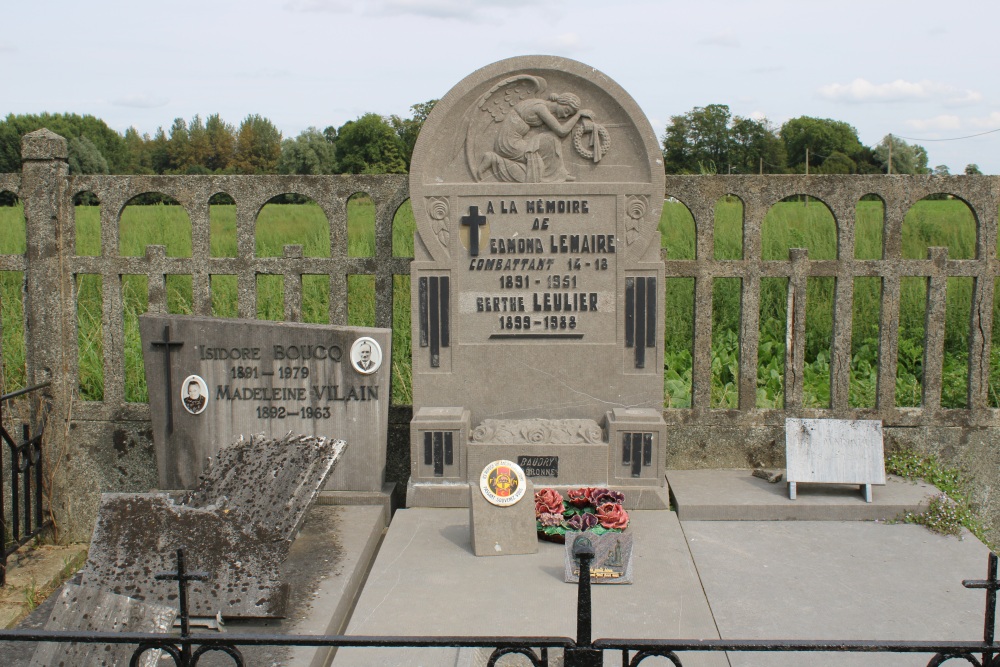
(862, 90)
(7, 48)
(568, 40)
(726, 39)
(986, 122)
(140, 101)
(758, 115)
(942, 122)
(439, 9)
(318, 6)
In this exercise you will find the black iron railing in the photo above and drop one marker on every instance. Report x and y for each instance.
(27, 516)
(186, 649)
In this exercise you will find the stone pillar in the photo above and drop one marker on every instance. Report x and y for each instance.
(50, 331)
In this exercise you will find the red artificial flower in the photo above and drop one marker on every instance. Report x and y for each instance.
(612, 516)
(548, 501)
(580, 497)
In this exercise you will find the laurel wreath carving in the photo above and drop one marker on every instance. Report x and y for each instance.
(538, 431)
(588, 151)
(635, 208)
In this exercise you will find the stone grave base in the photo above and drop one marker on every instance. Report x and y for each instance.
(736, 495)
(456, 494)
(426, 581)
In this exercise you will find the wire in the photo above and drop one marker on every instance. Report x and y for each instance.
(968, 136)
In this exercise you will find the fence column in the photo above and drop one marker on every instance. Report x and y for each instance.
(50, 325)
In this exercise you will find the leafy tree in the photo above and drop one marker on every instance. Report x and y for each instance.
(309, 153)
(369, 145)
(941, 170)
(138, 150)
(258, 146)
(221, 137)
(710, 140)
(108, 143)
(407, 129)
(159, 155)
(972, 170)
(837, 163)
(822, 137)
(85, 158)
(754, 141)
(906, 158)
(178, 146)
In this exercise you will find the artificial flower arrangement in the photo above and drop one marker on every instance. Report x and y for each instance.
(598, 510)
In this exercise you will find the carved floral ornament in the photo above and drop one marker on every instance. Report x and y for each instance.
(538, 432)
(516, 137)
(437, 209)
(635, 208)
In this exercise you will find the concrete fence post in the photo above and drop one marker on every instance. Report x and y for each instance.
(50, 331)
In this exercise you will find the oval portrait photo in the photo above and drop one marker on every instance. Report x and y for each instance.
(366, 355)
(194, 394)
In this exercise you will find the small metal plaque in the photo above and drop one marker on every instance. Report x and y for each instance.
(502, 482)
(539, 466)
(612, 562)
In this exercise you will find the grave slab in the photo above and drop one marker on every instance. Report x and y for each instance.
(837, 580)
(87, 609)
(426, 581)
(237, 526)
(736, 495)
(325, 569)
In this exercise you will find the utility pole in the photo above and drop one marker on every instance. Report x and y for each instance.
(890, 155)
(807, 171)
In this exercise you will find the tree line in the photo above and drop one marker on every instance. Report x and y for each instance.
(705, 140)
(710, 140)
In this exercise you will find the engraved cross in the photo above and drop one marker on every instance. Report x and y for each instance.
(473, 221)
(166, 343)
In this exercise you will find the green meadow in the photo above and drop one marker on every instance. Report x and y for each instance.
(791, 224)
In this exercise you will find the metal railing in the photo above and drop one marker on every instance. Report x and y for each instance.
(26, 511)
(187, 648)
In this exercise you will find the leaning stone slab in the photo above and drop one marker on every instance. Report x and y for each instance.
(237, 527)
(88, 609)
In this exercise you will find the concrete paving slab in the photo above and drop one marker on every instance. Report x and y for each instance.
(837, 580)
(426, 581)
(736, 495)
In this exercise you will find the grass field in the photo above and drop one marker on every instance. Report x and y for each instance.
(788, 224)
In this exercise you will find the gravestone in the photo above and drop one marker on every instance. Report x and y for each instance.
(237, 526)
(834, 451)
(214, 380)
(537, 285)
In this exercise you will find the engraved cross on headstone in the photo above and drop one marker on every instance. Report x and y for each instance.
(166, 343)
(473, 221)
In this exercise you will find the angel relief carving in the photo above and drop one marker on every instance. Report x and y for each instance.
(514, 135)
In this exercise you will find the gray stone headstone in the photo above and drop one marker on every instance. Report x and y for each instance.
(537, 285)
(498, 527)
(213, 380)
(237, 527)
(834, 451)
(87, 609)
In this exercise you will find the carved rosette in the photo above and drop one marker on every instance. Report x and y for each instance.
(538, 432)
(635, 210)
(437, 209)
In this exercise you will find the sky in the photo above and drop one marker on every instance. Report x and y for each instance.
(919, 69)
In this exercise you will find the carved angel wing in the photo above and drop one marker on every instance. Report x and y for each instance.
(502, 97)
(497, 102)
